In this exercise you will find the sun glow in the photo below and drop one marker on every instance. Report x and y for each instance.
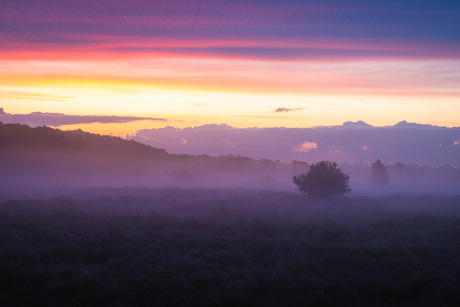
(237, 92)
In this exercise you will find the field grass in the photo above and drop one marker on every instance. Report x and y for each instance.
(178, 247)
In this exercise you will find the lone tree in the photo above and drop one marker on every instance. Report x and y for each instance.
(379, 174)
(323, 180)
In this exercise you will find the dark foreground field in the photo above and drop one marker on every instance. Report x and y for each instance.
(229, 248)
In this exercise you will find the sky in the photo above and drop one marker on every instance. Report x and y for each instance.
(242, 63)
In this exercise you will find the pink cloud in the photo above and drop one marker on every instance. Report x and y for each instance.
(306, 147)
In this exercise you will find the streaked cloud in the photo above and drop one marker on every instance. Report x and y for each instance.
(288, 109)
(252, 29)
(57, 119)
(351, 51)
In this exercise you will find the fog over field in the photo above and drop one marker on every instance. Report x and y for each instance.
(98, 220)
(47, 157)
(193, 247)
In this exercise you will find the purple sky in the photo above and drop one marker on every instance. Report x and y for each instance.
(113, 64)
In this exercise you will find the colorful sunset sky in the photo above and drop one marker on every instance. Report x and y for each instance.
(242, 63)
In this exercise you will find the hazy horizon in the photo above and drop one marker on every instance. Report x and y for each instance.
(350, 142)
(244, 64)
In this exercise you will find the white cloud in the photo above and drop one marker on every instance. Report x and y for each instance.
(306, 147)
(457, 142)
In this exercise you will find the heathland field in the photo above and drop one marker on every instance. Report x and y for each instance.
(190, 247)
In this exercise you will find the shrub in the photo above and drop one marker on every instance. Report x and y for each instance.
(323, 180)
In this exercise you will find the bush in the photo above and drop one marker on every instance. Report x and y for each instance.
(323, 180)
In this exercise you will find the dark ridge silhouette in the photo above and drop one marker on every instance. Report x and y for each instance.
(23, 136)
(43, 155)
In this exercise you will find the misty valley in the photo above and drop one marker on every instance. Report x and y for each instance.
(91, 220)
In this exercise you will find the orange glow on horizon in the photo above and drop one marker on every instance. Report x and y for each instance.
(220, 89)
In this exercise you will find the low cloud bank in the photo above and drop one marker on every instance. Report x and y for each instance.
(36, 119)
(351, 142)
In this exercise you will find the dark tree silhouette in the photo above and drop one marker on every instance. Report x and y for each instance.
(323, 180)
(379, 174)
(397, 169)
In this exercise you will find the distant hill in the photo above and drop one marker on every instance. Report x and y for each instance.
(359, 123)
(45, 155)
(406, 124)
(48, 156)
(17, 136)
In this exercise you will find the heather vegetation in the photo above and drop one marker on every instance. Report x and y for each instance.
(190, 247)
